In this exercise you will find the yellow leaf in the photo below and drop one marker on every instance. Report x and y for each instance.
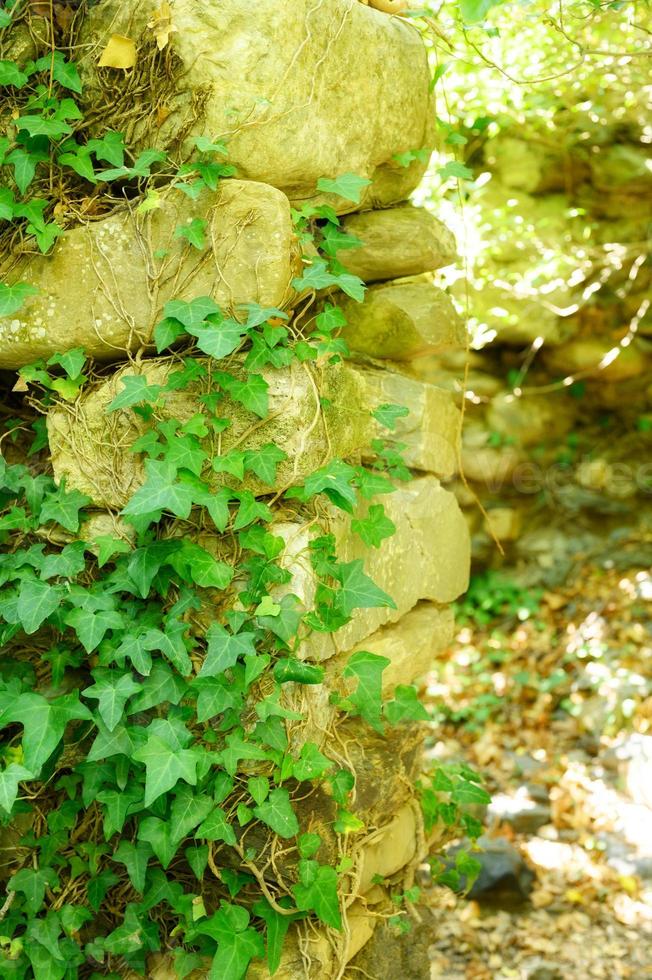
(628, 884)
(575, 896)
(149, 203)
(120, 52)
(161, 25)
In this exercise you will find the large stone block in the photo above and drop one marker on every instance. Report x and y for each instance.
(91, 448)
(426, 559)
(403, 320)
(402, 241)
(126, 267)
(411, 646)
(298, 90)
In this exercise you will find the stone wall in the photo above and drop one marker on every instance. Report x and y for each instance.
(303, 91)
(558, 410)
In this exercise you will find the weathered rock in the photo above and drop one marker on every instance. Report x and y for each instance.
(403, 320)
(598, 358)
(295, 91)
(410, 645)
(504, 523)
(402, 241)
(524, 814)
(126, 267)
(426, 559)
(395, 955)
(483, 463)
(393, 847)
(505, 880)
(91, 448)
(530, 419)
(431, 430)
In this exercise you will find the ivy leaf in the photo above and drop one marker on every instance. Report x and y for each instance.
(298, 671)
(165, 766)
(91, 627)
(250, 510)
(358, 590)
(161, 491)
(112, 690)
(159, 835)
(375, 527)
(63, 507)
(311, 763)
(213, 698)
(188, 810)
(13, 297)
(387, 415)
(277, 927)
(405, 706)
(237, 942)
(44, 723)
(135, 858)
(32, 884)
(263, 462)
(473, 11)
(237, 749)
(10, 74)
(36, 602)
(278, 814)
(9, 781)
(317, 891)
(348, 186)
(135, 389)
(455, 169)
(368, 669)
(216, 827)
(191, 314)
(194, 233)
(334, 480)
(202, 568)
(224, 648)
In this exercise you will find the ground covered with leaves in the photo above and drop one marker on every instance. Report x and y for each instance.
(549, 694)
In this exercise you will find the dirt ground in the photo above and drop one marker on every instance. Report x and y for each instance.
(550, 697)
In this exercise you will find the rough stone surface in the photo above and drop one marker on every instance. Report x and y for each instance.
(121, 285)
(593, 356)
(530, 419)
(91, 448)
(403, 320)
(402, 241)
(431, 430)
(427, 558)
(410, 645)
(299, 91)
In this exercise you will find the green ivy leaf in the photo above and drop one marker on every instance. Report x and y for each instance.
(194, 233)
(216, 827)
(375, 527)
(13, 297)
(387, 415)
(37, 601)
(63, 507)
(358, 591)
(368, 669)
(165, 765)
(455, 169)
(264, 461)
(10, 778)
(135, 858)
(348, 186)
(317, 891)
(135, 390)
(405, 706)
(311, 764)
(112, 690)
(224, 648)
(278, 814)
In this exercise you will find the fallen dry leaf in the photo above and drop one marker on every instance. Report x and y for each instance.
(161, 25)
(120, 52)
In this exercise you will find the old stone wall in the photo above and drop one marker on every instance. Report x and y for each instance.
(557, 416)
(300, 91)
